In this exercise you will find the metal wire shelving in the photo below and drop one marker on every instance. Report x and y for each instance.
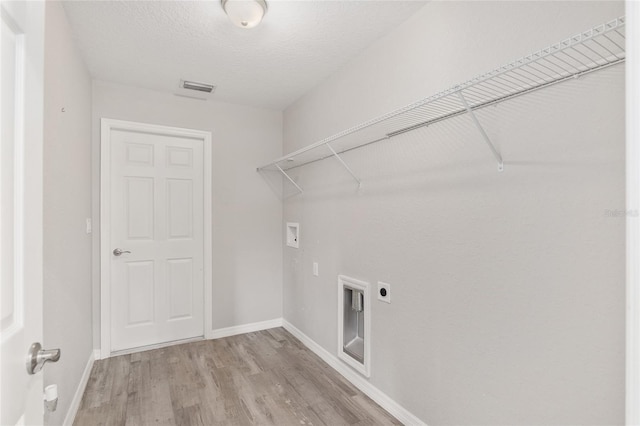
(592, 50)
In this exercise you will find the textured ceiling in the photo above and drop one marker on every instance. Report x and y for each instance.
(154, 44)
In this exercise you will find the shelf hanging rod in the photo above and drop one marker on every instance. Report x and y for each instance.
(289, 179)
(490, 102)
(546, 67)
(493, 149)
(324, 157)
(335, 154)
(455, 114)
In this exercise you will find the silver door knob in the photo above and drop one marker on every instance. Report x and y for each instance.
(36, 357)
(118, 252)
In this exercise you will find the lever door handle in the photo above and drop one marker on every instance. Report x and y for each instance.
(118, 252)
(37, 357)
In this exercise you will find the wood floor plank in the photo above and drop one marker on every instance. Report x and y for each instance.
(374, 413)
(139, 373)
(263, 378)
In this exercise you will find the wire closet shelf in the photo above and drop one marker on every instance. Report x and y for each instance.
(592, 50)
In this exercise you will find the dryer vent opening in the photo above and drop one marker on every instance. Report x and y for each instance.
(354, 324)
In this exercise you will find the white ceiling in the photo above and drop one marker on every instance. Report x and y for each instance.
(154, 44)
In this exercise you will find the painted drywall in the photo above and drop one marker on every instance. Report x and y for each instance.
(67, 204)
(196, 40)
(507, 288)
(247, 252)
(633, 204)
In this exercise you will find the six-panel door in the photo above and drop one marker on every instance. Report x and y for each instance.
(157, 215)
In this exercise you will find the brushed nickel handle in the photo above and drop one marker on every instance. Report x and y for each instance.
(37, 357)
(118, 252)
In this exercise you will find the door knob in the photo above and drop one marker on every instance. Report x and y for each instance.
(36, 357)
(118, 252)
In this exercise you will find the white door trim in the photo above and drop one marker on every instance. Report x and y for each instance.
(107, 125)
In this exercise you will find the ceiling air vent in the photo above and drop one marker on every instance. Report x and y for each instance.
(195, 90)
(200, 87)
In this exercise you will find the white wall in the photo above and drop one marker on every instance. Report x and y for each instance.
(67, 203)
(633, 221)
(507, 288)
(247, 252)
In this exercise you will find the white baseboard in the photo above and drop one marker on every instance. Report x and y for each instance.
(77, 397)
(245, 328)
(382, 399)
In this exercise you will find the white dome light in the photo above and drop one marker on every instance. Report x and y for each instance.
(245, 13)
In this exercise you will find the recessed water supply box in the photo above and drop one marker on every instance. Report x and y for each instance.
(293, 234)
(354, 323)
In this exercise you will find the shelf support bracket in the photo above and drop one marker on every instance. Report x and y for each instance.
(353, 175)
(289, 179)
(493, 149)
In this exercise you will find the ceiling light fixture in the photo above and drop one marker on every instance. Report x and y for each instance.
(245, 13)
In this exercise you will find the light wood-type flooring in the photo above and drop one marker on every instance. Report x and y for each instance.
(263, 378)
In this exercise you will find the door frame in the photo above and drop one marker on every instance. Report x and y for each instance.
(107, 125)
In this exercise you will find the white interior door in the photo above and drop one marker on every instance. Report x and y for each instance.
(156, 220)
(21, 94)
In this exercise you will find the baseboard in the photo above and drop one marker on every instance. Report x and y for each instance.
(77, 397)
(245, 328)
(382, 399)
